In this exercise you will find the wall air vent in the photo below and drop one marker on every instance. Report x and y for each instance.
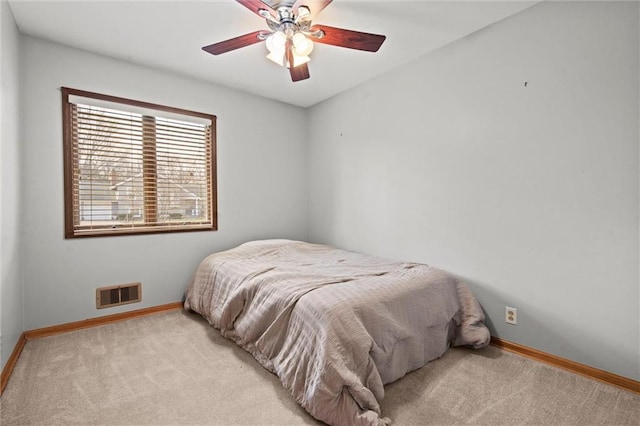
(118, 295)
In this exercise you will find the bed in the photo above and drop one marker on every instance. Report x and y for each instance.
(334, 325)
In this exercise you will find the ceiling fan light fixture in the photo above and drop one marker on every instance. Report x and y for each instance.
(277, 57)
(302, 45)
(280, 59)
(276, 42)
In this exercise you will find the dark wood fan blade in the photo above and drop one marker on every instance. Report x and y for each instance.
(315, 6)
(233, 43)
(349, 39)
(254, 5)
(301, 72)
(275, 4)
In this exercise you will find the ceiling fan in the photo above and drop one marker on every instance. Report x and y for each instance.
(291, 36)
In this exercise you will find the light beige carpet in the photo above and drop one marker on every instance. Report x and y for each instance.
(174, 369)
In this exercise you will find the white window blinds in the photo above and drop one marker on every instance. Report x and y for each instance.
(135, 167)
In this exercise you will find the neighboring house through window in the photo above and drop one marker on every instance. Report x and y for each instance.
(135, 167)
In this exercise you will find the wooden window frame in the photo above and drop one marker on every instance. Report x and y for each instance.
(72, 216)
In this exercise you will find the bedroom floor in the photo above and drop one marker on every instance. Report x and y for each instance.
(173, 368)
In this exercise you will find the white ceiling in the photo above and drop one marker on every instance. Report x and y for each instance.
(170, 34)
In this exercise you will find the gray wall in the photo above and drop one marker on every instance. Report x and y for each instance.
(11, 302)
(528, 192)
(261, 185)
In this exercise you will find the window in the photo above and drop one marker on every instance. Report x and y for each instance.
(133, 167)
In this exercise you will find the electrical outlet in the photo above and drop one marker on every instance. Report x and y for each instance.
(511, 316)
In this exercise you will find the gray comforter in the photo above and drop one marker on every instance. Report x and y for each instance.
(334, 325)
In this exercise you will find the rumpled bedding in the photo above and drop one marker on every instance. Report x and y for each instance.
(335, 326)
